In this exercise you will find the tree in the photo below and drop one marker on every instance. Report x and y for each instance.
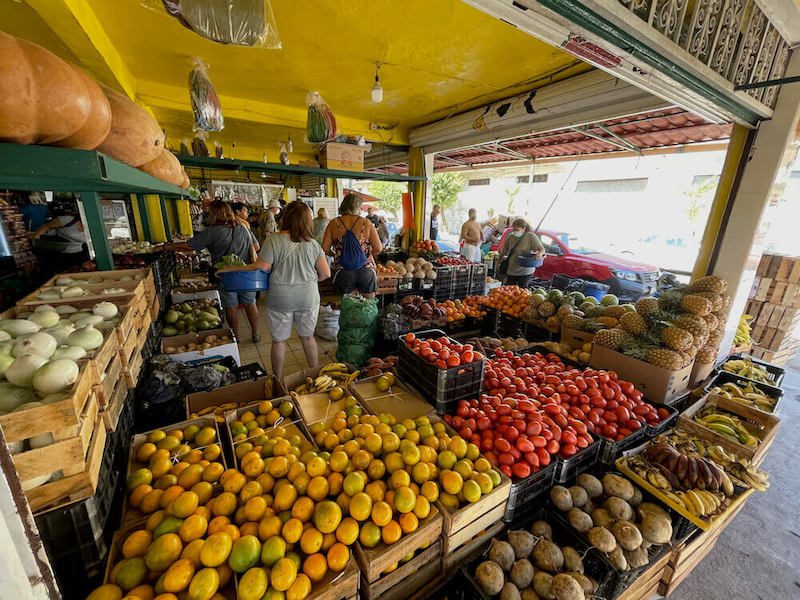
(390, 194)
(511, 193)
(445, 188)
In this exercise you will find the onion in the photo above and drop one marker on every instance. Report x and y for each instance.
(55, 376)
(4, 335)
(57, 397)
(47, 318)
(43, 308)
(39, 343)
(77, 316)
(66, 309)
(64, 280)
(71, 352)
(50, 294)
(87, 338)
(61, 332)
(5, 362)
(89, 320)
(12, 396)
(21, 371)
(107, 310)
(17, 327)
(73, 292)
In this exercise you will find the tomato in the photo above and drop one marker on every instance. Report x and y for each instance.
(521, 470)
(487, 445)
(512, 434)
(409, 337)
(568, 438)
(483, 423)
(553, 447)
(441, 364)
(515, 453)
(435, 346)
(453, 361)
(534, 428)
(532, 459)
(465, 433)
(583, 441)
(523, 444)
(468, 357)
(623, 414)
(506, 470)
(502, 445)
(544, 457)
(568, 450)
(504, 458)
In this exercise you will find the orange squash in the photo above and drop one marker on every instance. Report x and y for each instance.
(135, 137)
(97, 126)
(44, 99)
(165, 167)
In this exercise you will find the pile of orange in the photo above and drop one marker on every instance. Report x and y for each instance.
(510, 299)
(457, 310)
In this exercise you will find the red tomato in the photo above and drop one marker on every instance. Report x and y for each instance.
(544, 457)
(409, 337)
(532, 459)
(504, 458)
(568, 450)
(453, 361)
(512, 434)
(435, 346)
(521, 470)
(567, 437)
(441, 364)
(524, 445)
(553, 447)
(467, 357)
(502, 445)
(506, 470)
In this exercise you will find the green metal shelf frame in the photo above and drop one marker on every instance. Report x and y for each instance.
(85, 172)
(253, 166)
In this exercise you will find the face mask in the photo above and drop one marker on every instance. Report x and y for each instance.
(517, 233)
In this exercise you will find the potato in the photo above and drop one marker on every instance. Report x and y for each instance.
(561, 497)
(572, 559)
(627, 534)
(542, 529)
(586, 584)
(637, 557)
(617, 486)
(579, 520)
(510, 592)
(522, 573)
(602, 539)
(618, 560)
(656, 529)
(502, 553)
(579, 495)
(637, 497)
(602, 518)
(529, 594)
(548, 556)
(618, 509)
(522, 542)
(648, 508)
(591, 484)
(588, 507)
(565, 587)
(490, 577)
(542, 584)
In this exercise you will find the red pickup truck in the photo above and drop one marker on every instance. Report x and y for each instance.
(627, 279)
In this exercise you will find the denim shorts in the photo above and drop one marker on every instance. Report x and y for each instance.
(234, 299)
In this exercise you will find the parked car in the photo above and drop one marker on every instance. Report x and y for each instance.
(626, 278)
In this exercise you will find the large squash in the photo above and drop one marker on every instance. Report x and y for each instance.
(165, 167)
(97, 126)
(43, 99)
(135, 137)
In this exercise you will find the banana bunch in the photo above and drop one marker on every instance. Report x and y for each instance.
(728, 426)
(742, 337)
(747, 368)
(747, 394)
(329, 377)
(218, 411)
(684, 472)
(649, 473)
(741, 471)
(701, 503)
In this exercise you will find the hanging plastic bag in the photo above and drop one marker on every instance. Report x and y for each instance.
(321, 122)
(205, 102)
(241, 22)
(358, 324)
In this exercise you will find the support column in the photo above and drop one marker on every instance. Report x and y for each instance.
(97, 233)
(141, 203)
(165, 218)
(417, 166)
(739, 246)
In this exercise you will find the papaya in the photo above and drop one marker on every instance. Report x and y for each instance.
(135, 137)
(165, 167)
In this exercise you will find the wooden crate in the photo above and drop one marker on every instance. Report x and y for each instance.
(110, 276)
(113, 409)
(77, 486)
(765, 424)
(155, 308)
(95, 293)
(128, 349)
(684, 558)
(334, 586)
(399, 400)
(462, 525)
(134, 369)
(374, 561)
(408, 579)
(468, 551)
(647, 583)
(108, 381)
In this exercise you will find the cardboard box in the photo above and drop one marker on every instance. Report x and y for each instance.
(298, 378)
(179, 296)
(241, 393)
(658, 385)
(344, 157)
(575, 337)
(700, 372)
(230, 349)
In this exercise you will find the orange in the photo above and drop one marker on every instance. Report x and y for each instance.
(409, 522)
(315, 567)
(317, 467)
(203, 489)
(224, 504)
(138, 493)
(347, 532)
(303, 509)
(327, 516)
(376, 469)
(268, 527)
(335, 483)
(328, 540)
(193, 527)
(292, 530)
(163, 552)
(204, 584)
(150, 501)
(192, 552)
(136, 543)
(141, 592)
(285, 498)
(217, 523)
(482, 465)
(283, 574)
(381, 513)
(299, 590)
(250, 490)
(192, 474)
(360, 506)
(399, 479)
(318, 488)
(154, 520)
(216, 549)
(255, 508)
(249, 528)
(311, 541)
(267, 482)
(337, 557)
(232, 531)
(169, 495)
(370, 534)
(430, 490)
(338, 461)
(273, 550)
(391, 532)
(471, 491)
(421, 473)
(451, 481)
(422, 508)
(184, 505)
(234, 482)
(212, 452)
(278, 466)
(178, 576)
(404, 499)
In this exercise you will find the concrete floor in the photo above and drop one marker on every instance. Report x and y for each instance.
(758, 555)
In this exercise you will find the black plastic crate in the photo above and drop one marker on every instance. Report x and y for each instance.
(462, 274)
(489, 324)
(668, 423)
(442, 387)
(76, 577)
(422, 284)
(583, 460)
(508, 326)
(681, 403)
(477, 281)
(525, 491)
(774, 372)
(248, 372)
(460, 291)
(768, 390)
(611, 450)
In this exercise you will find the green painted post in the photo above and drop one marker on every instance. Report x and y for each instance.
(165, 218)
(173, 203)
(145, 218)
(94, 219)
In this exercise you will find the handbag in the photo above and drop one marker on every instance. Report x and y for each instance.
(502, 267)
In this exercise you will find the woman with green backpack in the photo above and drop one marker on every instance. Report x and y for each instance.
(353, 243)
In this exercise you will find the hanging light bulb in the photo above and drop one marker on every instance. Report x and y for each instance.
(377, 90)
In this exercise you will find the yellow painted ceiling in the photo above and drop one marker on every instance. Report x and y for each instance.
(438, 57)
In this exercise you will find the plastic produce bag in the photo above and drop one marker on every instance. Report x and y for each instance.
(205, 102)
(358, 324)
(321, 122)
(241, 22)
(327, 323)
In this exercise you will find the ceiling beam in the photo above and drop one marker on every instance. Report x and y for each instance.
(78, 27)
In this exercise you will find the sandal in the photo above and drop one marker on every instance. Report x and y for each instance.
(256, 338)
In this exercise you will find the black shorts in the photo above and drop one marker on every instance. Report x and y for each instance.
(365, 280)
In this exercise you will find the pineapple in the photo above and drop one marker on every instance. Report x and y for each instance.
(665, 359)
(553, 324)
(670, 301)
(717, 300)
(611, 338)
(693, 324)
(712, 322)
(609, 322)
(697, 305)
(633, 323)
(614, 311)
(647, 306)
(686, 358)
(591, 325)
(714, 339)
(564, 310)
(706, 355)
(572, 321)
(726, 302)
(546, 309)
(676, 338)
(711, 283)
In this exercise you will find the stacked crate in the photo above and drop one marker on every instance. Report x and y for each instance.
(775, 307)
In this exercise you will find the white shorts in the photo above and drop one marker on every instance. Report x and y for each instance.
(471, 253)
(280, 323)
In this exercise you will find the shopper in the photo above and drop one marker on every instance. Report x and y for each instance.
(353, 243)
(435, 221)
(66, 245)
(372, 215)
(321, 224)
(225, 235)
(471, 237)
(265, 225)
(521, 242)
(242, 214)
(383, 231)
(275, 208)
(296, 263)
